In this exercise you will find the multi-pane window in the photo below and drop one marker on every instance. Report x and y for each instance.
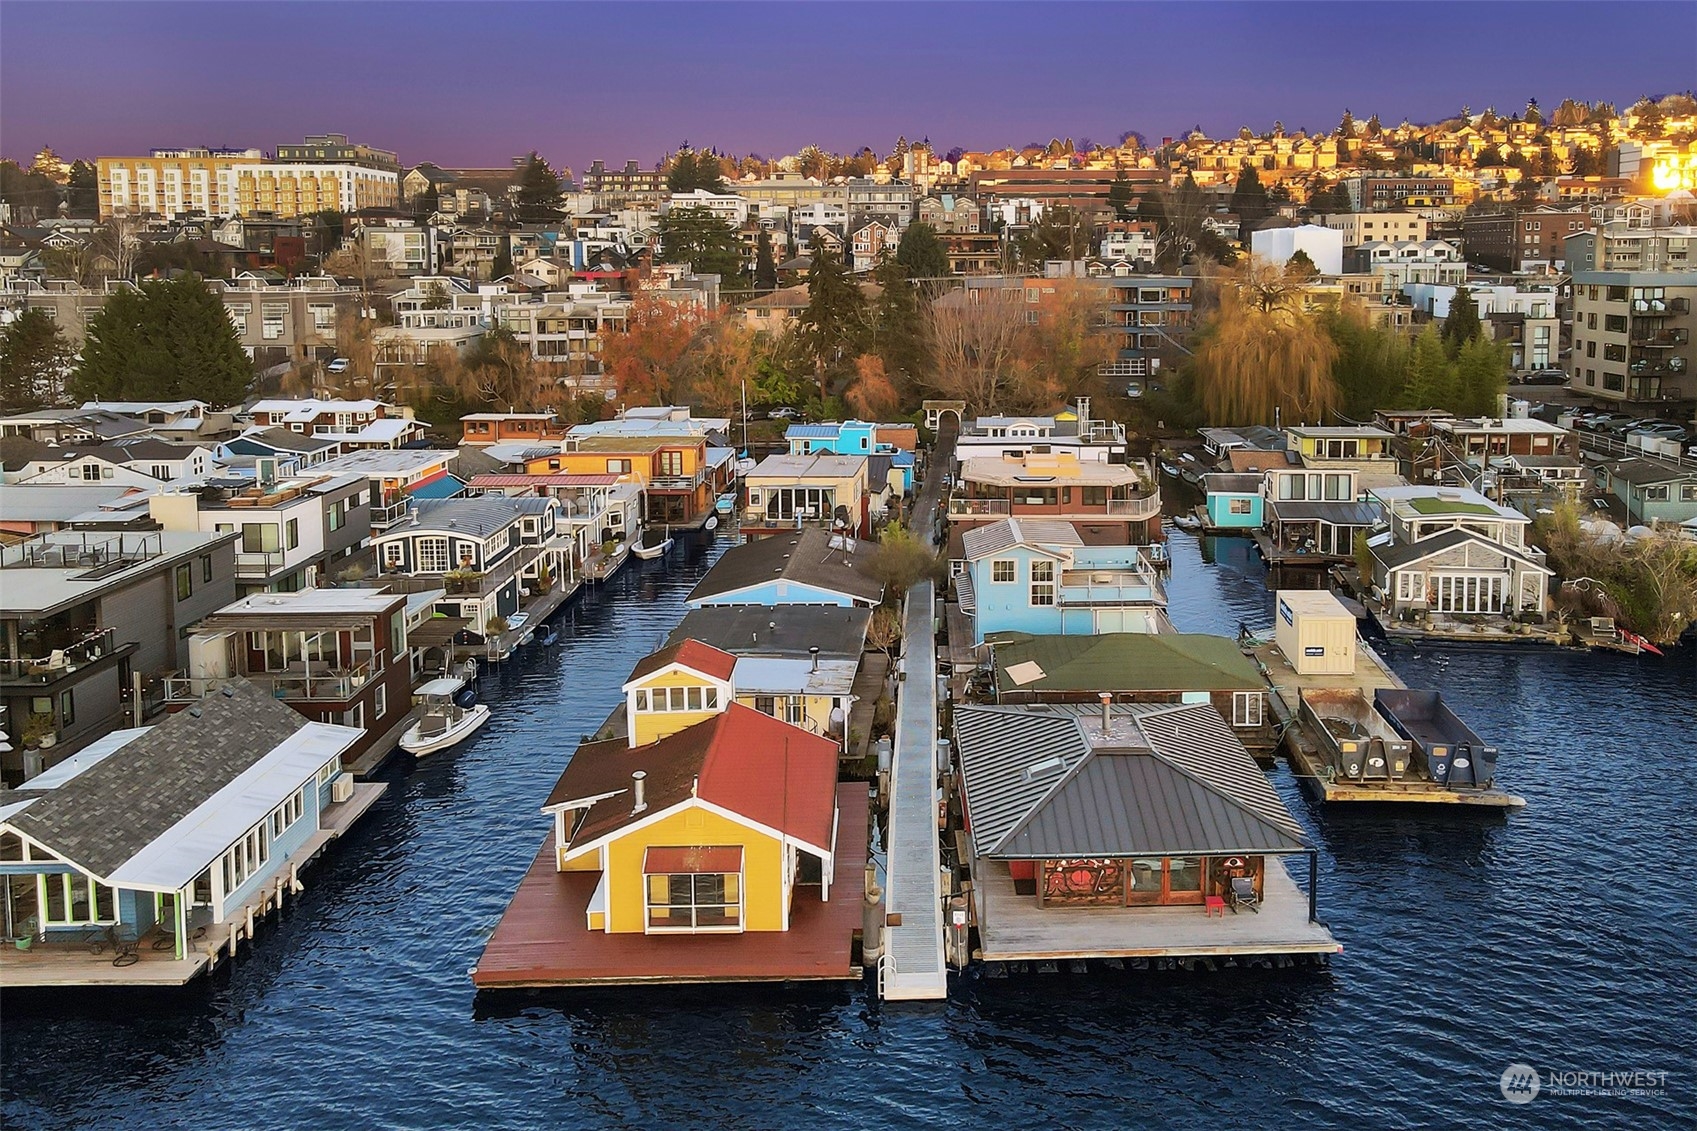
(323, 316)
(432, 555)
(71, 899)
(695, 901)
(1002, 570)
(1042, 583)
(272, 314)
(185, 582)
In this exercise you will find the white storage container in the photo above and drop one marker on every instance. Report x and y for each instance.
(1315, 632)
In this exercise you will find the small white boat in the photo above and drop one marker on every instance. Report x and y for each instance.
(1187, 522)
(442, 723)
(516, 623)
(726, 503)
(649, 553)
(746, 465)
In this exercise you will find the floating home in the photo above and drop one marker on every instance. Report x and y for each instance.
(1116, 832)
(150, 855)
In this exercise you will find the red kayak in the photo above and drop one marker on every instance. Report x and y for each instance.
(1642, 644)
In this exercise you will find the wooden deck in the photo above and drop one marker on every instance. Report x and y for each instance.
(542, 939)
(870, 683)
(1012, 927)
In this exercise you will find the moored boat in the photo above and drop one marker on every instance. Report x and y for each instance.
(652, 545)
(442, 722)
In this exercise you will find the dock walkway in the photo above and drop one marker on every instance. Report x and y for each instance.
(912, 967)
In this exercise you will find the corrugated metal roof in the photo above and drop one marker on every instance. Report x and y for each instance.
(442, 487)
(1010, 758)
(1198, 741)
(1005, 533)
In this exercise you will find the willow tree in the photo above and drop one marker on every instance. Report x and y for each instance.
(1260, 352)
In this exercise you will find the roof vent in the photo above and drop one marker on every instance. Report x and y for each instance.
(638, 786)
(1046, 766)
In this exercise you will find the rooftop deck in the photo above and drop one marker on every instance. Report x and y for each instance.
(1012, 927)
(542, 939)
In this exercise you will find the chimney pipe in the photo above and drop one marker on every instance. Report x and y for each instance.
(814, 652)
(637, 780)
(1106, 697)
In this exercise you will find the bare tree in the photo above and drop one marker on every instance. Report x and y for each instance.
(974, 342)
(119, 241)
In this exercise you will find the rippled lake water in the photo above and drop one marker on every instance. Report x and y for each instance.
(1561, 936)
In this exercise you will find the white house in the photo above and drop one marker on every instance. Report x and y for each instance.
(1324, 246)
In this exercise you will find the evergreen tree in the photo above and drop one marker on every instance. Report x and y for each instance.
(84, 186)
(1534, 116)
(170, 340)
(898, 324)
(1346, 127)
(34, 358)
(1119, 196)
(1431, 378)
(1374, 128)
(1462, 325)
(765, 270)
(1301, 267)
(836, 310)
(503, 264)
(921, 253)
(1371, 363)
(539, 192)
(1249, 201)
(700, 238)
(1480, 376)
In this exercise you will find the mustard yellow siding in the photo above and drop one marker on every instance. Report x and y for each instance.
(762, 866)
(818, 710)
(597, 921)
(651, 726)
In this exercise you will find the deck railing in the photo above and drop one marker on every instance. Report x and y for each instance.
(328, 684)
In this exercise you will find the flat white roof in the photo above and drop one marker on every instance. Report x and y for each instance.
(312, 601)
(384, 461)
(187, 848)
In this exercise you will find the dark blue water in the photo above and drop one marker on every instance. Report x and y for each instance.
(1561, 936)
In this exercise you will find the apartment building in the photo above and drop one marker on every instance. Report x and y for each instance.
(336, 149)
(222, 182)
(1153, 314)
(1396, 265)
(1363, 227)
(1374, 194)
(630, 180)
(1632, 336)
(1530, 239)
(950, 214)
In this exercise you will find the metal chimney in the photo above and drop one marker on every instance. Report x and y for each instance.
(637, 780)
(814, 652)
(1107, 697)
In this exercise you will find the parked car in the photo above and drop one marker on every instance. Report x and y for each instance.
(1622, 427)
(1601, 421)
(337, 365)
(1545, 377)
(785, 413)
(1662, 430)
(1134, 389)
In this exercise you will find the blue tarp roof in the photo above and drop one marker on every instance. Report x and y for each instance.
(445, 487)
(812, 431)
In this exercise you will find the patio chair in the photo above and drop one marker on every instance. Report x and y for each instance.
(1243, 894)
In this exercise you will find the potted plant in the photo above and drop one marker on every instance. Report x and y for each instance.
(496, 625)
(39, 732)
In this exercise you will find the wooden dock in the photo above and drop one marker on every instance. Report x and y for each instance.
(1302, 749)
(1011, 927)
(543, 938)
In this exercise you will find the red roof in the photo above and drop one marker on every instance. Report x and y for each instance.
(692, 654)
(554, 480)
(745, 762)
(710, 859)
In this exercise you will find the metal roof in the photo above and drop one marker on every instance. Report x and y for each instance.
(1337, 513)
(1051, 781)
(1005, 533)
(778, 630)
(807, 558)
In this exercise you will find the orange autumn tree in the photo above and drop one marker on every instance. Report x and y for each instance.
(726, 354)
(871, 395)
(645, 358)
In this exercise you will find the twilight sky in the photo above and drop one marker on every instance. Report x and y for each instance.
(473, 83)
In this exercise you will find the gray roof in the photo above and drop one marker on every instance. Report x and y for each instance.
(1043, 781)
(1232, 482)
(283, 440)
(1005, 533)
(54, 502)
(806, 558)
(105, 815)
(1399, 554)
(1336, 513)
(479, 516)
(1649, 471)
(779, 630)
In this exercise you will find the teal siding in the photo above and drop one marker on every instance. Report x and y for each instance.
(1220, 512)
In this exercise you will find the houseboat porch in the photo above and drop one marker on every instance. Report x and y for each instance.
(542, 938)
(1012, 927)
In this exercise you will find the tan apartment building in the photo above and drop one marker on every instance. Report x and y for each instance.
(1364, 227)
(223, 182)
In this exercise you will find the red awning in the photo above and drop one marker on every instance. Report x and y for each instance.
(658, 861)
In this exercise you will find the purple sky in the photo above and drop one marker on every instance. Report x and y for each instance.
(476, 83)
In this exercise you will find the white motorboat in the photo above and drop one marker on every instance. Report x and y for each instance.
(442, 722)
(648, 547)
